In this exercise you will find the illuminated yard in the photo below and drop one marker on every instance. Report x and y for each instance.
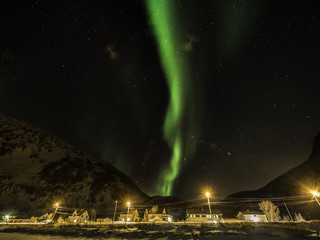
(165, 231)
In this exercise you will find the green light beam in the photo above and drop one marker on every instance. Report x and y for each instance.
(174, 66)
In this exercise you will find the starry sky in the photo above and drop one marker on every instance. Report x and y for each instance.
(95, 73)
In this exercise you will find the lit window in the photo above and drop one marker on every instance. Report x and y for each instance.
(254, 219)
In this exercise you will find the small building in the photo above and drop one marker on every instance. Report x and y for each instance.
(160, 217)
(33, 219)
(79, 216)
(251, 216)
(47, 217)
(203, 215)
(132, 216)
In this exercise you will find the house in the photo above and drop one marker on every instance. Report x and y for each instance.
(33, 219)
(132, 216)
(203, 215)
(250, 216)
(159, 217)
(46, 217)
(79, 216)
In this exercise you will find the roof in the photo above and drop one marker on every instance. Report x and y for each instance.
(251, 213)
(156, 218)
(80, 211)
(203, 211)
(159, 215)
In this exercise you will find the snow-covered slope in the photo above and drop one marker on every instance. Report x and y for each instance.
(37, 170)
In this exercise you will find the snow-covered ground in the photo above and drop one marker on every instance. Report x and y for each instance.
(162, 232)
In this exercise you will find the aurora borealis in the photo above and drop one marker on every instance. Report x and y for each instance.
(175, 94)
(175, 65)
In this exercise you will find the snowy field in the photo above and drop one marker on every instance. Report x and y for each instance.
(162, 231)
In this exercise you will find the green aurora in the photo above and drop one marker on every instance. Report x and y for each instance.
(179, 125)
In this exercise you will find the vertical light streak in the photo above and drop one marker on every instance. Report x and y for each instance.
(174, 66)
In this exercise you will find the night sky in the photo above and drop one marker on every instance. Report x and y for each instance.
(93, 73)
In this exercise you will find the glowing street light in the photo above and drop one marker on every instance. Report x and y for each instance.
(315, 195)
(208, 196)
(57, 206)
(7, 217)
(128, 204)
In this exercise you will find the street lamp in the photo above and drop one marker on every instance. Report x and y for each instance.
(57, 206)
(315, 195)
(7, 218)
(128, 204)
(115, 210)
(208, 196)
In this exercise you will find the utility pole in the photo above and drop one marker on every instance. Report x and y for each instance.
(57, 206)
(128, 204)
(208, 195)
(315, 197)
(288, 211)
(115, 210)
